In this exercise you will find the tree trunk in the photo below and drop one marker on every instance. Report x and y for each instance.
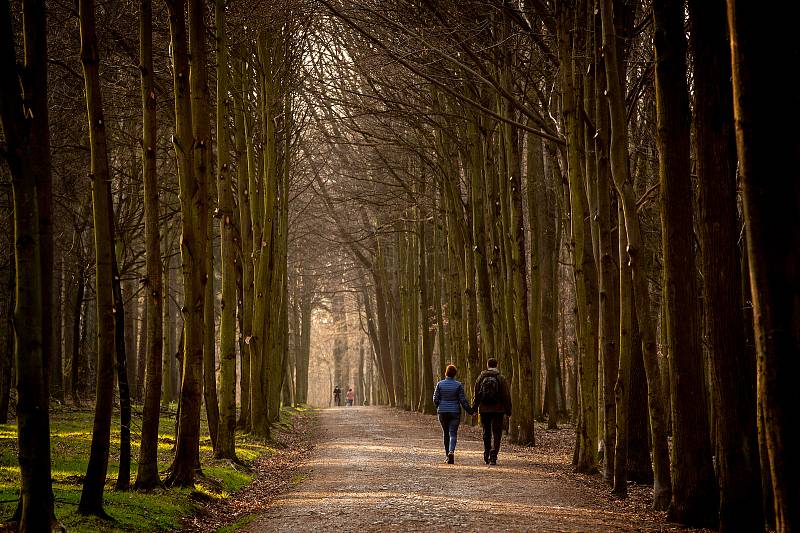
(56, 364)
(548, 249)
(768, 167)
(694, 488)
(302, 363)
(524, 413)
(733, 369)
(209, 337)
(193, 199)
(201, 124)
(621, 174)
(610, 328)
(76, 359)
(535, 184)
(435, 274)
(124, 471)
(147, 473)
(94, 482)
(623, 382)
(584, 266)
(129, 337)
(483, 296)
(225, 445)
(424, 310)
(263, 207)
(26, 130)
(167, 350)
(7, 348)
(390, 374)
(245, 169)
(141, 343)
(640, 467)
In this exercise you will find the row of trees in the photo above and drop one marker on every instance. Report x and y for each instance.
(494, 168)
(226, 188)
(480, 179)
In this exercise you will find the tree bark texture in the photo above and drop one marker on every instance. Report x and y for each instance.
(621, 176)
(26, 130)
(732, 367)
(694, 486)
(769, 160)
(147, 475)
(193, 202)
(94, 482)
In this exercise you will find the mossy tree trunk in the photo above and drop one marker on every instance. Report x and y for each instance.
(166, 328)
(201, 128)
(610, 329)
(584, 266)
(225, 445)
(147, 473)
(245, 176)
(26, 130)
(123, 385)
(94, 482)
(193, 202)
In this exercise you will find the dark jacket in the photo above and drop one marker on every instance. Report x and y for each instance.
(505, 393)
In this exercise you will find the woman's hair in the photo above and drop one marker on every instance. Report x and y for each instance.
(451, 371)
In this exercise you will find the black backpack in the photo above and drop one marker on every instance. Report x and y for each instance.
(490, 390)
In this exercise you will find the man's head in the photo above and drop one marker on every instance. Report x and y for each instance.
(491, 363)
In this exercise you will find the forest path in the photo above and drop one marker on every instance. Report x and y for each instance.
(381, 469)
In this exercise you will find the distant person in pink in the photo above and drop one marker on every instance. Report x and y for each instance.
(350, 397)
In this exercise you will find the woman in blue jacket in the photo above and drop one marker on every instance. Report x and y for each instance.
(449, 398)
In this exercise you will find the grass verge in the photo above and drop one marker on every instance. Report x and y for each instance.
(159, 510)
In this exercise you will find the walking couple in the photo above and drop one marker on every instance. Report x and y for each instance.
(492, 400)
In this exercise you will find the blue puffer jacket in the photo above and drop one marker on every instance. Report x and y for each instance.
(449, 397)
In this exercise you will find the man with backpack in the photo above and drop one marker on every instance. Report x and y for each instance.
(492, 400)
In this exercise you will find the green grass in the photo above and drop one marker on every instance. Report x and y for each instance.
(159, 510)
(239, 524)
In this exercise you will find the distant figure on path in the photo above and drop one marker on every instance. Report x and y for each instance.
(350, 397)
(492, 400)
(337, 396)
(449, 397)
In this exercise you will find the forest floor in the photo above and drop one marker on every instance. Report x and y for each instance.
(380, 469)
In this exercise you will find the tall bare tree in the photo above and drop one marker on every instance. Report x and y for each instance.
(94, 482)
(147, 473)
(24, 114)
(227, 329)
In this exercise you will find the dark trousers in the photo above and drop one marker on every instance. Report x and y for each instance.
(492, 431)
(450, 422)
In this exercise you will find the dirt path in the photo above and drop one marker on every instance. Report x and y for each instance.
(379, 469)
